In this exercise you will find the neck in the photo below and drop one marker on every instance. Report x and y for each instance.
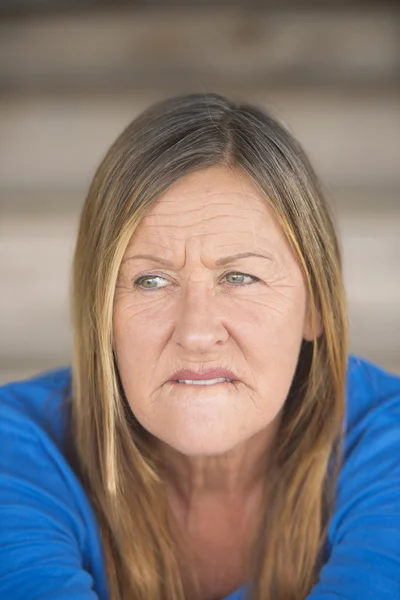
(229, 476)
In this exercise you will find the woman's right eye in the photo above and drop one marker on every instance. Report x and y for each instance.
(139, 282)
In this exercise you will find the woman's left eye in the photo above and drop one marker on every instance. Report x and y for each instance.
(243, 275)
(140, 281)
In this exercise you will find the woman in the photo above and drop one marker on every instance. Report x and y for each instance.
(213, 438)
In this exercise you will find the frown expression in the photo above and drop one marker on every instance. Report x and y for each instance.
(248, 315)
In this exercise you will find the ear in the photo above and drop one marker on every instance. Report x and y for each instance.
(310, 330)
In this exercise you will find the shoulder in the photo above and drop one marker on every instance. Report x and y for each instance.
(372, 405)
(368, 492)
(33, 428)
(368, 385)
(363, 557)
(33, 425)
(34, 415)
(38, 404)
(49, 540)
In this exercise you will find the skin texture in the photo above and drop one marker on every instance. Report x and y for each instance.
(216, 439)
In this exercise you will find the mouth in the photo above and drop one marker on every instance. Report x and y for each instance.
(205, 382)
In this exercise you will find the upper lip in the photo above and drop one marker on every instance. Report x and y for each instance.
(215, 373)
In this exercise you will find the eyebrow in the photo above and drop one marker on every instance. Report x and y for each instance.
(220, 262)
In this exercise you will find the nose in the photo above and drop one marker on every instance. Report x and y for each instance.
(199, 322)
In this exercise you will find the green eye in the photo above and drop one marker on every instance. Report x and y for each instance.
(140, 282)
(238, 278)
(145, 284)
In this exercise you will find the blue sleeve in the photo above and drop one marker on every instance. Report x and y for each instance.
(42, 533)
(364, 562)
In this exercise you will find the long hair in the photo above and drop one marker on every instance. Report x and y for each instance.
(117, 466)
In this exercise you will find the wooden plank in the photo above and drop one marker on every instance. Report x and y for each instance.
(26, 8)
(36, 257)
(371, 252)
(56, 143)
(148, 48)
(364, 199)
(36, 260)
(35, 202)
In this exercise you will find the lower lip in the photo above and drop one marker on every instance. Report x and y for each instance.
(194, 385)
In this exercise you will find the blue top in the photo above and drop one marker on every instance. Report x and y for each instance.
(50, 545)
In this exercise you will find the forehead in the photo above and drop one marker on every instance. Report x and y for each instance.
(219, 198)
(213, 213)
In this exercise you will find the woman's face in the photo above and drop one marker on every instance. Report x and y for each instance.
(248, 315)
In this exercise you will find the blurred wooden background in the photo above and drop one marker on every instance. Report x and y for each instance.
(72, 75)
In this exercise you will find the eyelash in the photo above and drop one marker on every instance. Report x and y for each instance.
(136, 283)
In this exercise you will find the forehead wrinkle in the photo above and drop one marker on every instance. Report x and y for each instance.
(248, 226)
(202, 223)
(201, 209)
(212, 209)
(196, 195)
(189, 209)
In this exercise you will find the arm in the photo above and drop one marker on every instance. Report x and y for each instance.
(43, 529)
(365, 529)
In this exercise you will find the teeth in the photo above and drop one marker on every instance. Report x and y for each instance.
(203, 381)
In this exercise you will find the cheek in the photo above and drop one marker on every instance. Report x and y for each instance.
(135, 325)
(138, 341)
(127, 344)
(272, 347)
(277, 321)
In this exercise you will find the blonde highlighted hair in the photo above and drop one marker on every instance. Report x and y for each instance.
(114, 459)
